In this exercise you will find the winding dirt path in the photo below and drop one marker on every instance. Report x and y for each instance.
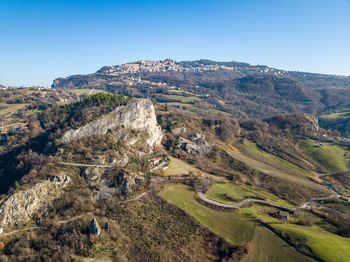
(20, 230)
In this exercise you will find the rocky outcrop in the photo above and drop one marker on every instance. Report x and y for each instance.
(22, 205)
(95, 228)
(125, 180)
(179, 130)
(137, 115)
(92, 174)
(195, 145)
(313, 122)
(299, 122)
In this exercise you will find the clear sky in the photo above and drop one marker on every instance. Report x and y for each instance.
(43, 40)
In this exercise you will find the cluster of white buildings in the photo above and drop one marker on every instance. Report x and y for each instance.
(171, 65)
(139, 81)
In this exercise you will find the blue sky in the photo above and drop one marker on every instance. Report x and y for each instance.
(43, 40)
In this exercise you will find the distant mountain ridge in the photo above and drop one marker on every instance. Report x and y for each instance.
(229, 69)
(240, 89)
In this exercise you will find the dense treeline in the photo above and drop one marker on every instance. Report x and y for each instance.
(82, 112)
(24, 152)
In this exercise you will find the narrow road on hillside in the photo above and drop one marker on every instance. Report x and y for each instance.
(240, 204)
(324, 182)
(20, 230)
(76, 218)
(133, 199)
(85, 165)
(305, 206)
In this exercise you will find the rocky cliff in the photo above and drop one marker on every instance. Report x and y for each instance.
(22, 205)
(136, 115)
(299, 122)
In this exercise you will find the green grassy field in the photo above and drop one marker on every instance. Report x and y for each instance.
(344, 114)
(10, 108)
(180, 92)
(327, 246)
(83, 91)
(184, 99)
(178, 167)
(227, 193)
(269, 169)
(267, 247)
(254, 148)
(331, 157)
(234, 227)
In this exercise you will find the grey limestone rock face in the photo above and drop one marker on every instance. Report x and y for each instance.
(196, 145)
(137, 115)
(313, 121)
(22, 205)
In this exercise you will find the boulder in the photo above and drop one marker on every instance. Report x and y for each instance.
(95, 228)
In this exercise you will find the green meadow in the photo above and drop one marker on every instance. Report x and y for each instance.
(331, 157)
(235, 227)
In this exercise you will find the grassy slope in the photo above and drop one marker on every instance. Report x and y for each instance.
(83, 91)
(327, 246)
(184, 99)
(254, 148)
(270, 170)
(219, 192)
(331, 157)
(179, 167)
(267, 247)
(234, 227)
(344, 114)
(11, 108)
